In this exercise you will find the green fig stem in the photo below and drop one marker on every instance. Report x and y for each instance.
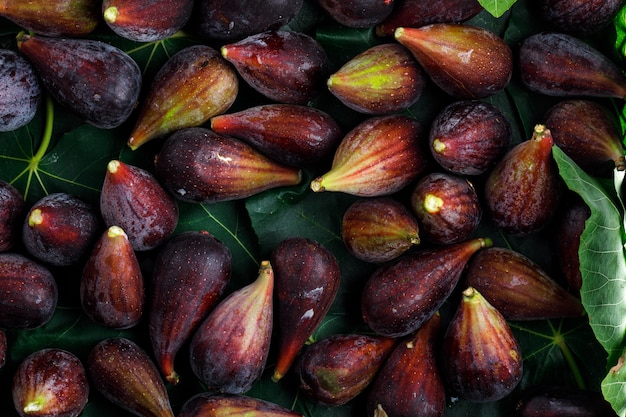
(110, 14)
(316, 185)
(47, 134)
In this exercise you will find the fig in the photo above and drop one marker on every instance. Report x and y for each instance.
(4, 349)
(229, 350)
(60, 229)
(211, 405)
(522, 191)
(192, 86)
(561, 65)
(190, 274)
(561, 401)
(12, 210)
(409, 382)
(580, 17)
(30, 292)
(146, 21)
(469, 137)
(379, 156)
(306, 281)
(379, 229)
(481, 359)
(133, 199)
(284, 66)
(111, 287)
(125, 375)
(21, 91)
(50, 383)
(357, 14)
(288, 133)
(519, 288)
(383, 79)
(200, 166)
(466, 62)
(399, 297)
(447, 208)
(588, 133)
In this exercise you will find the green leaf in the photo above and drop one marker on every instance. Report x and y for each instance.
(497, 7)
(614, 386)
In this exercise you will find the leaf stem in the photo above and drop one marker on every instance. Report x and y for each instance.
(47, 133)
(559, 340)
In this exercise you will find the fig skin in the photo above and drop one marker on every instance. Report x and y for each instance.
(30, 292)
(398, 298)
(21, 91)
(580, 17)
(379, 229)
(466, 62)
(560, 401)
(50, 382)
(358, 14)
(306, 281)
(4, 348)
(334, 370)
(12, 211)
(212, 405)
(190, 274)
(469, 137)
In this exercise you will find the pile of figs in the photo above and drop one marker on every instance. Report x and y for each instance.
(442, 198)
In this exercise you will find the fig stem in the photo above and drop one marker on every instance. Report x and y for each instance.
(47, 134)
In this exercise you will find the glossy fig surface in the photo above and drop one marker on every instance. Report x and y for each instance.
(12, 211)
(21, 91)
(580, 17)
(215, 405)
(557, 401)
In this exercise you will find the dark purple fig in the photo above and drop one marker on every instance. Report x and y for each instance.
(447, 208)
(229, 350)
(481, 359)
(146, 20)
(519, 288)
(190, 275)
(580, 17)
(200, 166)
(383, 79)
(409, 382)
(467, 62)
(134, 200)
(522, 191)
(562, 401)
(50, 383)
(98, 81)
(12, 211)
(379, 229)
(125, 375)
(306, 281)
(21, 92)
(111, 287)
(558, 64)
(398, 298)
(74, 18)
(60, 229)
(29, 293)
(357, 14)
(284, 66)
(211, 405)
(418, 13)
(334, 370)
(288, 133)
(191, 87)
(588, 133)
(468, 137)
(4, 348)
(379, 156)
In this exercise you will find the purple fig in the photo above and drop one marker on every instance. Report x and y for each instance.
(357, 14)
(561, 401)
(580, 17)
(12, 210)
(211, 405)
(21, 91)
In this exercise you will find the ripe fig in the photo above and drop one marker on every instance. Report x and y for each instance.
(194, 85)
(383, 79)
(467, 62)
(379, 229)
(481, 359)
(306, 279)
(21, 91)
(580, 17)
(288, 133)
(447, 208)
(60, 229)
(357, 14)
(409, 382)
(379, 156)
(469, 137)
(561, 401)
(558, 64)
(125, 375)
(98, 81)
(190, 275)
(211, 405)
(398, 298)
(50, 383)
(4, 348)
(334, 370)
(30, 292)
(284, 66)
(111, 286)
(229, 350)
(523, 190)
(146, 21)
(200, 166)
(12, 210)
(134, 200)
